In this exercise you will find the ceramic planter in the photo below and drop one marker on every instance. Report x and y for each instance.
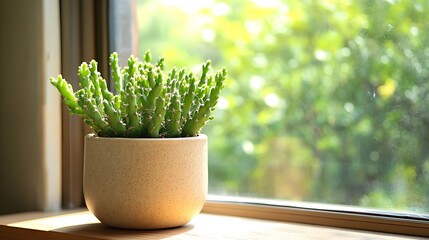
(145, 183)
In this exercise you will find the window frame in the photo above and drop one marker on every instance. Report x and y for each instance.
(299, 213)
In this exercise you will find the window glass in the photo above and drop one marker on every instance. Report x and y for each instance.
(326, 101)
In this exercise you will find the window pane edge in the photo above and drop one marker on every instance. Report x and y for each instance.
(358, 221)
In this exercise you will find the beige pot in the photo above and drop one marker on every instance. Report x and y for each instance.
(145, 183)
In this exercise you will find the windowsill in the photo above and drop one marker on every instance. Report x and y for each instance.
(328, 215)
(71, 224)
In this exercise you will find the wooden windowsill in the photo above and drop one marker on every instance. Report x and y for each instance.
(81, 224)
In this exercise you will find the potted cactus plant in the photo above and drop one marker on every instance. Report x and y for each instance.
(145, 165)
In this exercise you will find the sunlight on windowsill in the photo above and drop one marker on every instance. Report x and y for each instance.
(51, 223)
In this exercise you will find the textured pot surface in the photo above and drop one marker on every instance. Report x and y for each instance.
(145, 183)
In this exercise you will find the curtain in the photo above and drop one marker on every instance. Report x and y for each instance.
(84, 36)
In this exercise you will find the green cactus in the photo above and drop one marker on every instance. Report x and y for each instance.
(94, 76)
(160, 63)
(133, 117)
(206, 68)
(155, 123)
(84, 73)
(104, 91)
(114, 118)
(148, 102)
(149, 108)
(66, 90)
(188, 100)
(116, 72)
(202, 115)
(147, 56)
(173, 114)
(93, 115)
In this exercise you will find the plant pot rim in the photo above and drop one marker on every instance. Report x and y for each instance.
(199, 137)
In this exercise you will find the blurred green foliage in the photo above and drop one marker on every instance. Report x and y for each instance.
(326, 101)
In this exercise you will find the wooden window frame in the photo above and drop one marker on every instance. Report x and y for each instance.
(347, 217)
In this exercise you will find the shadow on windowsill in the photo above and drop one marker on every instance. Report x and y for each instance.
(101, 230)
